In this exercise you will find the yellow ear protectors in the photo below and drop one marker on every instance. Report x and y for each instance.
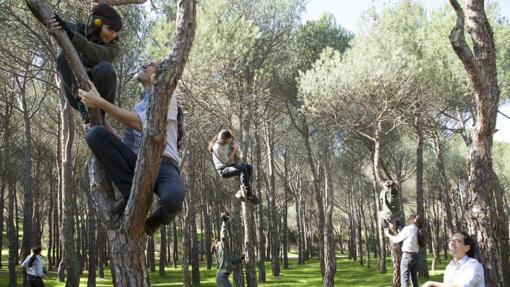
(98, 22)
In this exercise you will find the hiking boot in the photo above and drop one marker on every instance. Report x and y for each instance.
(151, 225)
(253, 199)
(119, 206)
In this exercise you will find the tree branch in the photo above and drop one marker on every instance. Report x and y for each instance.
(154, 135)
(120, 2)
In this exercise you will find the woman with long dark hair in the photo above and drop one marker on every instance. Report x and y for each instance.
(224, 152)
(33, 267)
(412, 237)
(96, 43)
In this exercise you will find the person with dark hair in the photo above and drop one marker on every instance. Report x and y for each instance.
(96, 43)
(118, 157)
(410, 236)
(33, 268)
(464, 270)
(224, 258)
(224, 152)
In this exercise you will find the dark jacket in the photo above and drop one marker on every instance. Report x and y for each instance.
(91, 53)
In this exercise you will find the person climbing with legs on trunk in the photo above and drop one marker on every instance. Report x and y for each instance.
(224, 258)
(391, 213)
(96, 43)
(118, 157)
(224, 153)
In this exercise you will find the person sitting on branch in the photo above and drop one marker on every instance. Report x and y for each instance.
(224, 152)
(96, 43)
(119, 157)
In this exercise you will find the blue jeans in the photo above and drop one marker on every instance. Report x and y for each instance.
(222, 280)
(409, 268)
(119, 163)
(243, 170)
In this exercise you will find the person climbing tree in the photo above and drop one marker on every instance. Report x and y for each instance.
(391, 213)
(96, 43)
(224, 259)
(226, 161)
(119, 157)
(412, 237)
(33, 268)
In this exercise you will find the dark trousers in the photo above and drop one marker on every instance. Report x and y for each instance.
(103, 76)
(34, 281)
(119, 162)
(222, 280)
(409, 268)
(244, 170)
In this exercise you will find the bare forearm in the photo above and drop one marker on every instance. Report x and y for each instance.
(126, 117)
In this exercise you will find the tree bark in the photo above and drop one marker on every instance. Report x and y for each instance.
(261, 238)
(68, 222)
(329, 241)
(271, 195)
(162, 250)
(422, 269)
(487, 217)
(126, 236)
(92, 247)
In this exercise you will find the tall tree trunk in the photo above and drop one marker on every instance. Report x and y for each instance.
(395, 250)
(487, 217)
(271, 195)
(445, 183)
(193, 236)
(151, 254)
(381, 255)
(261, 238)
(68, 224)
(316, 192)
(162, 250)
(422, 269)
(246, 208)
(11, 234)
(285, 231)
(26, 243)
(205, 212)
(175, 249)
(92, 247)
(329, 242)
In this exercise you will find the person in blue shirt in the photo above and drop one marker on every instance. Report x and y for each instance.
(118, 157)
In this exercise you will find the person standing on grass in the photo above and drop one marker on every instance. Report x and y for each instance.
(412, 239)
(33, 268)
(224, 258)
(464, 270)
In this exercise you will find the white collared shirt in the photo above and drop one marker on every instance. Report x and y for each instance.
(466, 272)
(37, 266)
(409, 235)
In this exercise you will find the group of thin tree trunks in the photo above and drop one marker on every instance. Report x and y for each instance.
(53, 195)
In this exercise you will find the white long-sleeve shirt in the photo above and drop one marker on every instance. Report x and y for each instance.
(466, 272)
(409, 235)
(37, 266)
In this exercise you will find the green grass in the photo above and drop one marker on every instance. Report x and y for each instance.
(349, 273)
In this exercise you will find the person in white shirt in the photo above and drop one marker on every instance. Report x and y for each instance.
(33, 267)
(412, 239)
(464, 270)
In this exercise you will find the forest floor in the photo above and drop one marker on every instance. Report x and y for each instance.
(349, 273)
